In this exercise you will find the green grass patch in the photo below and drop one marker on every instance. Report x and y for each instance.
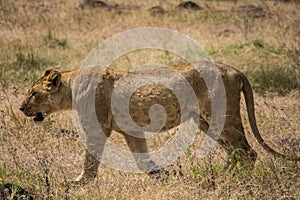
(52, 41)
(234, 48)
(268, 48)
(280, 80)
(255, 45)
(213, 16)
(29, 60)
(294, 55)
(25, 64)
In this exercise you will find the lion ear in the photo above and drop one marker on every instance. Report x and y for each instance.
(47, 72)
(53, 80)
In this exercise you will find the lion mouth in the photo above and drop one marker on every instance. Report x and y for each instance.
(38, 117)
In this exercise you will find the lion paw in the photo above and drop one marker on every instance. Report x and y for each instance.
(82, 180)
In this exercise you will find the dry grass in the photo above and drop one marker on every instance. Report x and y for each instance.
(36, 35)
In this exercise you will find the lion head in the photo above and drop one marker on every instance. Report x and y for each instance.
(43, 97)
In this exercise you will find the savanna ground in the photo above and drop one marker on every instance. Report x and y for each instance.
(260, 38)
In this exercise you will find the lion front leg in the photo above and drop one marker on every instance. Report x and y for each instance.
(94, 143)
(90, 169)
(139, 147)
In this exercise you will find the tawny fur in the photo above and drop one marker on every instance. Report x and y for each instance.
(53, 92)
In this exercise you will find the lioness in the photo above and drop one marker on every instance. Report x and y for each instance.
(54, 92)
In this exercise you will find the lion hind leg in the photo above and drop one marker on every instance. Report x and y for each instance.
(238, 149)
(234, 142)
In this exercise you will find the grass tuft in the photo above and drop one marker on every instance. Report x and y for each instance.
(280, 80)
(52, 41)
(24, 65)
(28, 60)
(261, 45)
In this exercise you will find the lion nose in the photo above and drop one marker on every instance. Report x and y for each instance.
(22, 108)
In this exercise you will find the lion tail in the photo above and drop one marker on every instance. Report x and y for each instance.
(248, 94)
